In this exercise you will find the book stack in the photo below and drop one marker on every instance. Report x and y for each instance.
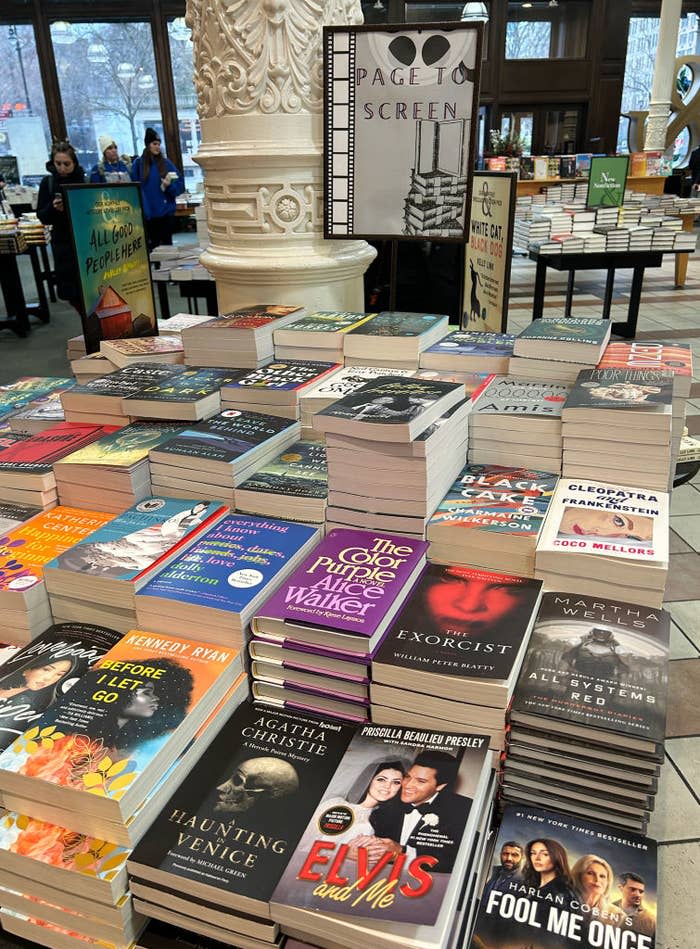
(189, 394)
(453, 654)
(178, 322)
(112, 473)
(597, 869)
(212, 458)
(122, 556)
(377, 477)
(334, 387)
(589, 711)
(470, 351)
(676, 358)
(603, 539)
(88, 367)
(166, 349)
(328, 617)
(26, 468)
(491, 518)
(101, 399)
(238, 340)
(266, 773)
(39, 415)
(75, 347)
(517, 422)
(276, 389)
(217, 584)
(294, 485)
(617, 425)
(394, 339)
(20, 393)
(557, 350)
(317, 336)
(437, 792)
(24, 551)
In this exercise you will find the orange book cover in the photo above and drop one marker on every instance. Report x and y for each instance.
(101, 737)
(648, 354)
(638, 164)
(26, 549)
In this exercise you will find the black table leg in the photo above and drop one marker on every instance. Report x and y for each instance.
(163, 299)
(540, 280)
(609, 288)
(569, 292)
(629, 329)
(46, 273)
(13, 295)
(42, 310)
(212, 301)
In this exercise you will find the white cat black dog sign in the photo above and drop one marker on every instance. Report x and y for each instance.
(400, 118)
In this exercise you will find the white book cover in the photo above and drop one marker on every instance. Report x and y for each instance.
(609, 520)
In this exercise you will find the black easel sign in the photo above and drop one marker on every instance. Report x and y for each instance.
(401, 109)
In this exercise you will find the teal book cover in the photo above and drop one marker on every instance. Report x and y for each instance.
(397, 323)
(573, 330)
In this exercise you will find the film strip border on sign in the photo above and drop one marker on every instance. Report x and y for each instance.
(340, 133)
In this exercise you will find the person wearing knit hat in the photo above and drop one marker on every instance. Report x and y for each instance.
(161, 182)
(111, 168)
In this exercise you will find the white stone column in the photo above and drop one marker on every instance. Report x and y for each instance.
(259, 80)
(664, 77)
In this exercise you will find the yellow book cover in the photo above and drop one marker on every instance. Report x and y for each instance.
(123, 448)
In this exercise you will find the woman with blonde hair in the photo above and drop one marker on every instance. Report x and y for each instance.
(593, 878)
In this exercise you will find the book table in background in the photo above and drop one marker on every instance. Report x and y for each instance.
(637, 261)
(190, 290)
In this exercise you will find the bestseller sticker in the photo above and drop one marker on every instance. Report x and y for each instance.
(242, 579)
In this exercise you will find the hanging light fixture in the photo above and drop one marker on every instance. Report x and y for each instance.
(475, 13)
(126, 71)
(179, 30)
(97, 53)
(62, 33)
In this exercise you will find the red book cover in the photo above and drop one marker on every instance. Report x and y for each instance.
(252, 317)
(39, 452)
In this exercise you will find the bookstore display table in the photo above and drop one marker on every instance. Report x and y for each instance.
(688, 218)
(636, 260)
(17, 308)
(190, 290)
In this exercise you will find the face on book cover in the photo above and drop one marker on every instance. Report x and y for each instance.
(611, 524)
(473, 604)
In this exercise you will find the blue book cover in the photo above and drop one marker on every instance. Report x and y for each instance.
(139, 538)
(473, 343)
(232, 564)
(226, 437)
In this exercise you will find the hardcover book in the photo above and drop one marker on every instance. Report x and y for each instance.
(43, 671)
(461, 623)
(397, 323)
(12, 515)
(38, 453)
(300, 471)
(473, 343)
(283, 376)
(124, 447)
(492, 499)
(247, 804)
(419, 793)
(586, 900)
(352, 582)
(509, 396)
(599, 663)
(227, 437)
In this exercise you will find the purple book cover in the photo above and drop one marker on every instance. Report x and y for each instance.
(348, 583)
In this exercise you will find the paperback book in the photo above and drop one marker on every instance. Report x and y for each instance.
(300, 471)
(278, 379)
(37, 454)
(400, 324)
(470, 349)
(676, 358)
(160, 349)
(12, 515)
(644, 396)
(121, 448)
(15, 395)
(314, 329)
(515, 397)
(574, 339)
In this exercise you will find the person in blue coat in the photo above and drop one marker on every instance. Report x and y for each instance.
(111, 168)
(161, 182)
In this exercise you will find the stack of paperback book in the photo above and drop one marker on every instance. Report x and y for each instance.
(148, 349)
(216, 585)
(238, 340)
(75, 347)
(567, 883)
(556, 350)
(112, 473)
(90, 366)
(212, 458)
(178, 322)
(605, 540)
(100, 575)
(377, 478)
(318, 335)
(416, 845)
(617, 426)
(676, 358)
(293, 485)
(24, 551)
(393, 339)
(26, 468)
(518, 423)
(328, 617)
(491, 518)
(339, 384)
(101, 399)
(189, 394)
(249, 801)
(453, 654)
(470, 351)
(275, 389)
(589, 711)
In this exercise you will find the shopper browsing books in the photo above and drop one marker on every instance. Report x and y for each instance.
(161, 183)
(110, 169)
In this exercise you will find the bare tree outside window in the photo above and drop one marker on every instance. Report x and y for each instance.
(528, 39)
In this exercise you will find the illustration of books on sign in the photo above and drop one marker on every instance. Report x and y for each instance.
(436, 199)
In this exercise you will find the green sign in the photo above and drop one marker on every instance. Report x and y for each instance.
(606, 182)
(112, 255)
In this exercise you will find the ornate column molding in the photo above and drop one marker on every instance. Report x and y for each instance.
(259, 81)
(660, 102)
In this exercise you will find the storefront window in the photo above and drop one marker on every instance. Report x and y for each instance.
(107, 80)
(534, 31)
(24, 127)
(186, 100)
